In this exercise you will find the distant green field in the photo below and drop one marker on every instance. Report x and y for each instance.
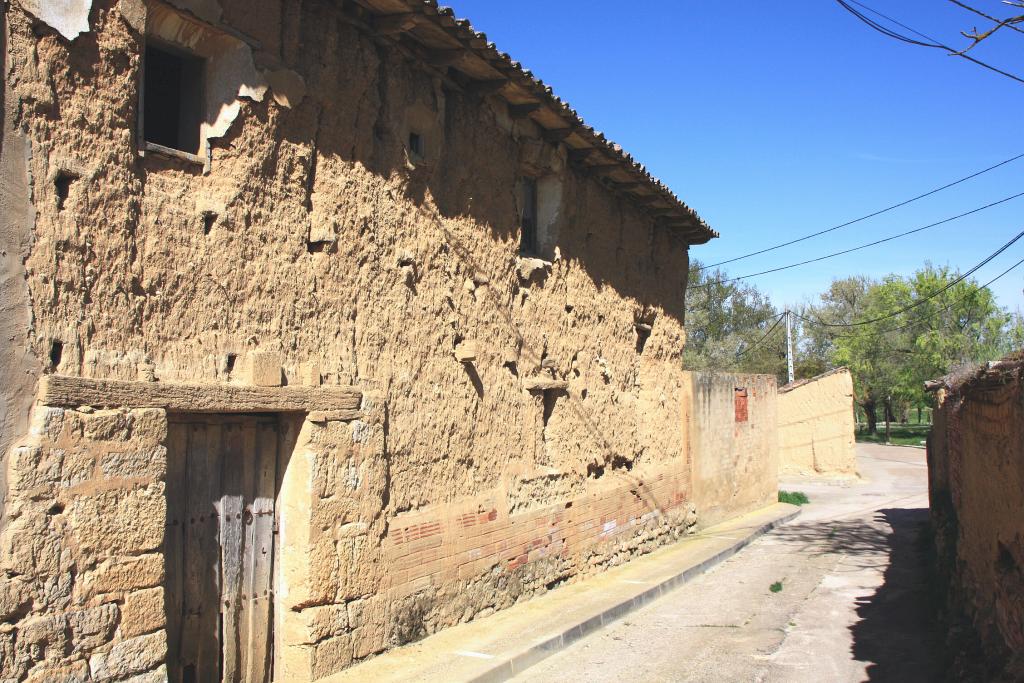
(900, 435)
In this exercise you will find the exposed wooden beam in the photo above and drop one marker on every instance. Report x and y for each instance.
(389, 24)
(444, 57)
(521, 111)
(557, 134)
(603, 169)
(578, 155)
(486, 87)
(65, 391)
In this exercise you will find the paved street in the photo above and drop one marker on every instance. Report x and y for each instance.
(853, 604)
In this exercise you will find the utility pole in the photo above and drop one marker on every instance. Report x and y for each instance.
(789, 344)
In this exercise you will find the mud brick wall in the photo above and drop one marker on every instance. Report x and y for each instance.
(976, 490)
(310, 247)
(816, 426)
(81, 568)
(733, 437)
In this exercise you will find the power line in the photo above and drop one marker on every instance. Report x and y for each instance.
(931, 42)
(859, 247)
(864, 218)
(758, 342)
(920, 301)
(941, 310)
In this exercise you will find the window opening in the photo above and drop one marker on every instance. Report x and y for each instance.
(528, 223)
(173, 90)
(416, 145)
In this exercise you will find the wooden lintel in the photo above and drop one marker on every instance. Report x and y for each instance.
(578, 155)
(444, 57)
(487, 87)
(388, 24)
(557, 134)
(520, 111)
(63, 391)
(623, 187)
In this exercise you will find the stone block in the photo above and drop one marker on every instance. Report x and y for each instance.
(132, 656)
(15, 598)
(324, 622)
(149, 427)
(107, 425)
(263, 368)
(143, 612)
(92, 628)
(122, 575)
(135, 464)
(120, 521)
(331, 656)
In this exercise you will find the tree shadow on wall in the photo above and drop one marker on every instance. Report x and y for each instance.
(897, 631)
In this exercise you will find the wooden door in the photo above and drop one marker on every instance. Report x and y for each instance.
(221, 474)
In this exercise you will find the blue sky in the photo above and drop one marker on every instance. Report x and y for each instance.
(776, 119)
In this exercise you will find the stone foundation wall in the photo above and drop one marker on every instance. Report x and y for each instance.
(976, 490)
(816, 426)
(81, 568)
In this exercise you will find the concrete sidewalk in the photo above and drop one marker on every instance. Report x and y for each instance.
(499, 646)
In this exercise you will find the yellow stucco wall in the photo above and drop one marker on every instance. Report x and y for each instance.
(816, 426)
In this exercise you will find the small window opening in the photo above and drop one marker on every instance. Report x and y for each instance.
(740, 398)
(528, 243)
(229, 364)
(416, 145)
(209, 218)
(550, 399)
(62, 185)
(643, 333)
(318, 246)
(173, 88)
(56, 352)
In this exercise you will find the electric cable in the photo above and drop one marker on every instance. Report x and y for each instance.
(859, 247)
(920, 301)
(934, 313)
(759, 341)
(864, 218)
(933, 43)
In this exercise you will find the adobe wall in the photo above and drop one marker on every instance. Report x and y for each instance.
(735, 460)
(816, 428)
(515, 432)
(976, 491)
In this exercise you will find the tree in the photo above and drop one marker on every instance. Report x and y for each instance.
(949, 325)
(725, 321)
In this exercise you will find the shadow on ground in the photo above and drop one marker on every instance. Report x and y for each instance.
(897, 632)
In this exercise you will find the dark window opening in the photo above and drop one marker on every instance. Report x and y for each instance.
(550, 400)
(528, 243)
(62, 184)
(173, 91)
(209, 218)
(416, 145)
(56, 352)
(229, 364)
(740, 397)
(643, 333)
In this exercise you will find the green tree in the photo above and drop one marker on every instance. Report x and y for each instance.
(724, 323)
(949, 325)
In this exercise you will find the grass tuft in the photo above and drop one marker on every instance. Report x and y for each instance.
(775, 587)
(794, 497)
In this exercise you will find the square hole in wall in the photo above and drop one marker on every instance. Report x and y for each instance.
(173, 98)
(416, 145)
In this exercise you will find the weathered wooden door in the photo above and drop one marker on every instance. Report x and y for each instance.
(221, 480)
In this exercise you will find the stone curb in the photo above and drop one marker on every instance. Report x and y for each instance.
(519, 663)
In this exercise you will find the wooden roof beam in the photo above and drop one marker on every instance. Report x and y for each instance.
(390, 24)
(521, 111)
